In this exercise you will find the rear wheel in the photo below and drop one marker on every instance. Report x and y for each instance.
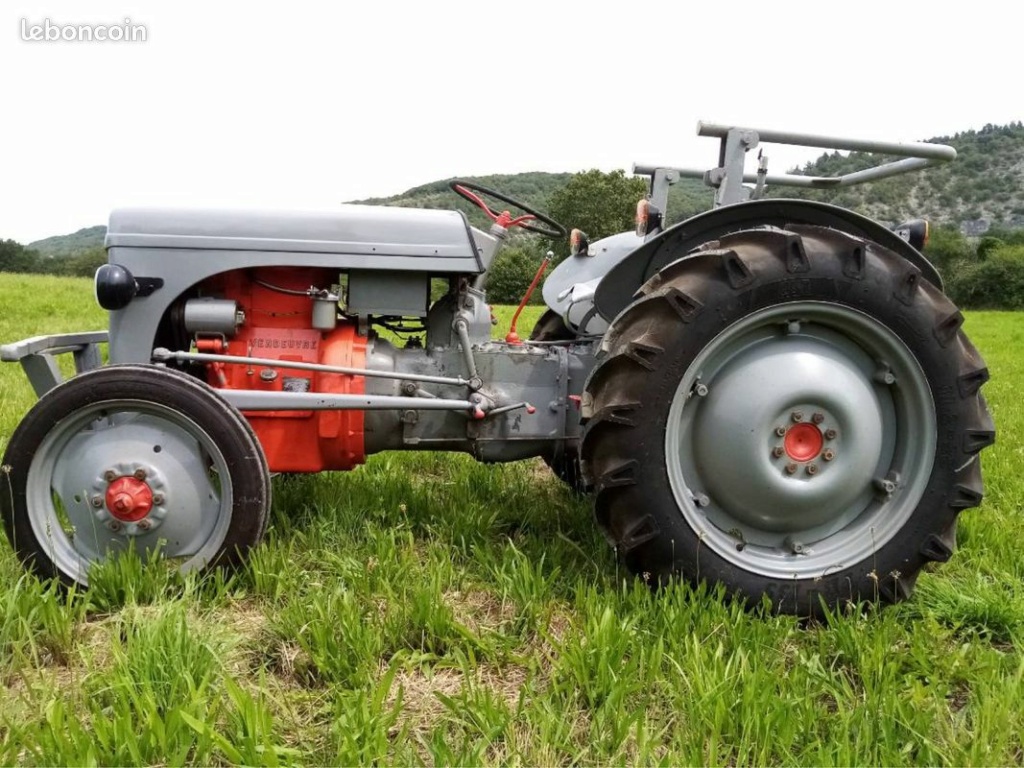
(791, 413)
(133, 457)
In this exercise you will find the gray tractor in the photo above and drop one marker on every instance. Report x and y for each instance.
(774, 396)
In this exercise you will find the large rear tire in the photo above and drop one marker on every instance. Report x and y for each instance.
(132, 457)
(792, 413)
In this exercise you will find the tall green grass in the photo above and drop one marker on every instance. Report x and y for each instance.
(427, 609)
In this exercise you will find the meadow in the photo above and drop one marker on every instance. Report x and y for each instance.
(426, 609)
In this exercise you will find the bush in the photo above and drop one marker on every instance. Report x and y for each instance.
(995, 283)
(947, 246)
(510, 275)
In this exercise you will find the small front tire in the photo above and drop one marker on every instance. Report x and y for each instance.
(132, 457)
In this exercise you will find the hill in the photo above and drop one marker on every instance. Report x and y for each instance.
(68, 245)
(983, 188)
(534, 189)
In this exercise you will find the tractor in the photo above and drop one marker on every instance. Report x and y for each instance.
(774, 396)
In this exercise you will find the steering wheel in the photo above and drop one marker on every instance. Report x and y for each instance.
(467, 190)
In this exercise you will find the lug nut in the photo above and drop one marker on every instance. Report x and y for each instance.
(140, 474)
(110, 475)
(818, 418)
(828, 455)
(830, 434)
(812, 469)
(797, 416)
(791, 469)
(777, 451)
(780, 431)
(114, 525)
(158, 499)
(97, 501)
(144, 525)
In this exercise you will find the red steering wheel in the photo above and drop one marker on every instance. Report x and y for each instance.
(471, 192)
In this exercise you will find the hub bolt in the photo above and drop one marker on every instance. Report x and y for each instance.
(828, 455)
(144, 525)
(114, 525)
(791, 469)
(830, 434)
(777, 451)
(780, 431)
(818, 418)
(140, 474)
(97, 501)
(797, 416)
(812, 469)
(158, 499)
(701, 390)
(110, 475)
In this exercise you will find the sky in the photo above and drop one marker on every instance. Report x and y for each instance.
(308, 104)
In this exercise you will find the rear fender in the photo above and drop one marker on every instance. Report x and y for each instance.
(625, 276)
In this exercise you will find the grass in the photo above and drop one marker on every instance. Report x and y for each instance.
(426, 609)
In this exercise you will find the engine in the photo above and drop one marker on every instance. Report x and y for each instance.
(289, 315)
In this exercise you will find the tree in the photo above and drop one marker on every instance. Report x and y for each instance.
(14, 257)
(598, 203)
(84, 263)
(511, 274)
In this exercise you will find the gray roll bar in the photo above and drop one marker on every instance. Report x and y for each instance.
(913, 149)
(737, 141)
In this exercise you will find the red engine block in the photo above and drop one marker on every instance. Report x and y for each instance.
(278, 326)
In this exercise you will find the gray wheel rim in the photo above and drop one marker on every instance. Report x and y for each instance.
(757, 492)
(183, 466)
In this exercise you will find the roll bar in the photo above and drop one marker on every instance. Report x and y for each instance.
(729, 177)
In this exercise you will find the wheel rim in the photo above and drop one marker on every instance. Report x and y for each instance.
(128, 473)
(800, 440)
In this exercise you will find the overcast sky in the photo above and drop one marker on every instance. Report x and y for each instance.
(311, 104)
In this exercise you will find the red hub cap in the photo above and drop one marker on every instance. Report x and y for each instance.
(129, 499)
(803, 442)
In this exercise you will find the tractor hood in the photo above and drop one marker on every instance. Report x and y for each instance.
(361, 231)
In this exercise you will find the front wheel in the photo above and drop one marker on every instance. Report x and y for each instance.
(791, 413)
(132, 457)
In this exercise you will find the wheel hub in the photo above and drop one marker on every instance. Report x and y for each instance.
(803, 442)
(129, 499)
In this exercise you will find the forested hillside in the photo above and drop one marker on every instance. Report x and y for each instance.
(981, 192)
(983, 188)
(60, 246)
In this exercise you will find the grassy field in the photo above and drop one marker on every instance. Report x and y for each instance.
(425, 609)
